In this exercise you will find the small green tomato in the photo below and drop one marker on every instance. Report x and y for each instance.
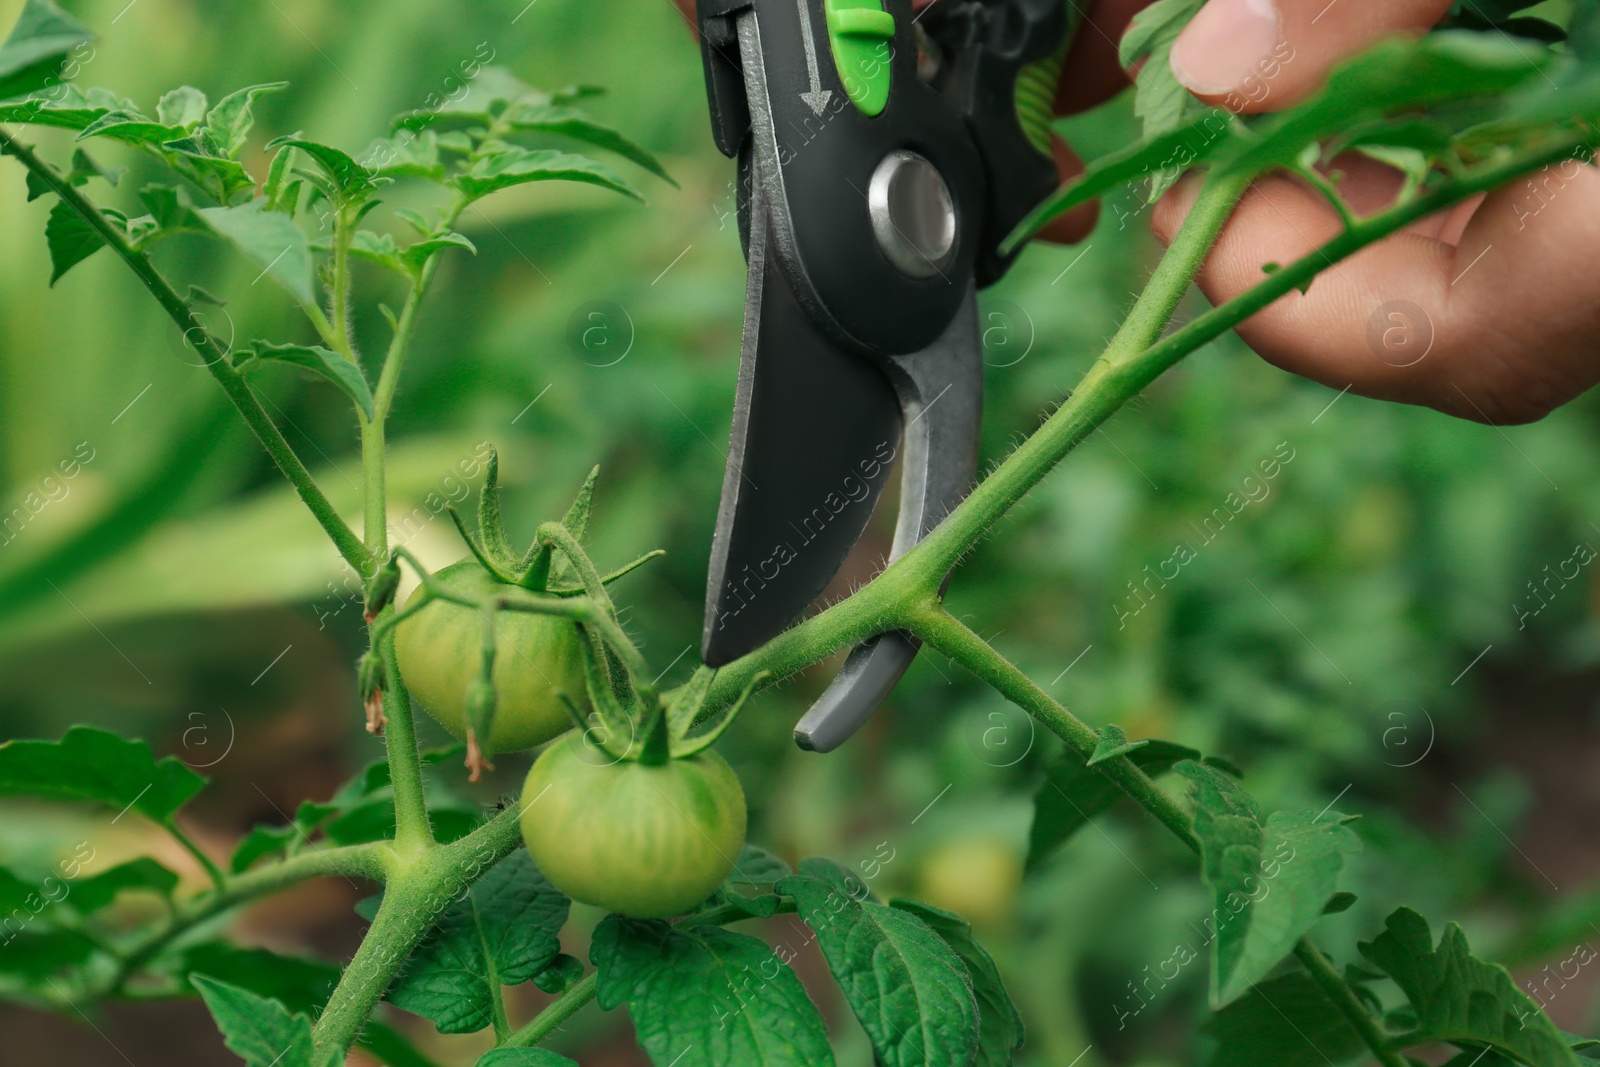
(644, 840)
(538, 657)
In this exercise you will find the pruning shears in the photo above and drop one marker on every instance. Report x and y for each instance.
(883, 155)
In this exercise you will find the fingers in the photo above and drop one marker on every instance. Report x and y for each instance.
(1261, 55)
(1501, 325)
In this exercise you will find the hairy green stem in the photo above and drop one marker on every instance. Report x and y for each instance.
(196, 335)
(947, 634)
(412, 829)
(564, 1008)
(405, 325)
(351, 861)
(1337, 990)
(420, 886)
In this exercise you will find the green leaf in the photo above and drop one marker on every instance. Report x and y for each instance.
(1000, 1030)
(573, 123)
(1339, 902)
(1284, 1022)
(95, 765)
(1394, 75)
(71, 239)
(35, 954)
(1113, 743)
(184, 107)
(132, 128)
(757, 866)
(263, 841)
(1073, 793)
(271, 240)
(37, 49)
(506, 930)
(301, 984)
(92, 894)
(84, 168)
(384, 251)
(320, 361)
(486, 95)
(200, 153)
(560, 974)
(1583, 35)
(379, 248)
(259, 843)
(260, 1031)
(1461, 999)
(416, 256)
(406, 155)
(1199, 137)
(1269, 881)
(1159, 98)
(910, 991)
(65, 106)
(173, 209)
(701, 996)
(230, 122)
(350, 180)
(524, 1057)
(514, 165)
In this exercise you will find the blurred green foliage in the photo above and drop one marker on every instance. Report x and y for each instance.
(1351, 633)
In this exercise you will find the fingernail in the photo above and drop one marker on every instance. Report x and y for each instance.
(1226, 44)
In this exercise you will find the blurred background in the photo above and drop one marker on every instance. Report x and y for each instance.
(1376, 626)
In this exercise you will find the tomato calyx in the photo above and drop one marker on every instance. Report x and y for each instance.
(660, 730)
(538, 569)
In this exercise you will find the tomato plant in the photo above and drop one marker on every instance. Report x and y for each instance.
(628, 808)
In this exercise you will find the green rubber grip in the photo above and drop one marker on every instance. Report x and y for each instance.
(1036, 88)
(1036, 98)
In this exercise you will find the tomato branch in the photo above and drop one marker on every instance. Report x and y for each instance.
(419, 888)
(359, 861)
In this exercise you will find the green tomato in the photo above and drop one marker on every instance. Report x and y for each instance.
(644, 840)
(537, 657)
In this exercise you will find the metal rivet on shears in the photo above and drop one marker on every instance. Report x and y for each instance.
(913, 217)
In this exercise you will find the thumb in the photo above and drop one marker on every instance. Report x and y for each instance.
(1262, 55)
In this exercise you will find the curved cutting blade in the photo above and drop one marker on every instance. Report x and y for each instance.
(815, 432)
(941, 389)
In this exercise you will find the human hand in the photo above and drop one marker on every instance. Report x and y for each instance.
(1487, 311)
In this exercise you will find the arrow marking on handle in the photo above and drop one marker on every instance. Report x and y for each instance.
(817, 99)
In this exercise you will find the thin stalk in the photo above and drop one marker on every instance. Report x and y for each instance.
(218, 879)
(1337, 990)
(359, 861)
(400, 343)
(497, 996)
(412, 829)
(947, 634)
(271, 438)
(340, 338)
(564, 1008)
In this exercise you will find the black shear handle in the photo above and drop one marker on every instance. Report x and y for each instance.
(999, 61)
